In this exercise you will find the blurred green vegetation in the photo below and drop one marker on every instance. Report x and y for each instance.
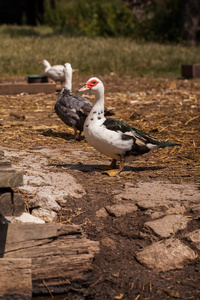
(22, 47)
(90, 18)
(151, 21)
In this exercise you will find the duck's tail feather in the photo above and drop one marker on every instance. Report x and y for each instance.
(167, 144)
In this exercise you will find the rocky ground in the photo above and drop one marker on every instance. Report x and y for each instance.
(147, 219)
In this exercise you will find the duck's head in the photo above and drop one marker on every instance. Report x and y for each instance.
(68, 69)
(93, 83)
(44, 62)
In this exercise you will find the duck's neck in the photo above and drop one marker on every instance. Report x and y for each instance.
(99, 100)
(68, 82)
(47, 66)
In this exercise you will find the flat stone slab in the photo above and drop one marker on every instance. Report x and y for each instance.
(159, 194)
(168, 225)
(194, 237)
(119, 210)
(166, 255)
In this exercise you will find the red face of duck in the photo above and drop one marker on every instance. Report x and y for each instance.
(91, 83)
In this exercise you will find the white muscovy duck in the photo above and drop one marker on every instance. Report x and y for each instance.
(72, 110)
(54, 72)
(115, 138)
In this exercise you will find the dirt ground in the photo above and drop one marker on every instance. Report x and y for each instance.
(166, 108)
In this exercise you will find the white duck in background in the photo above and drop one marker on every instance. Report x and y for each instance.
(72, 110)
(54, 72)
(115, 138)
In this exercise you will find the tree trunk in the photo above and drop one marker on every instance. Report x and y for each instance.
(190, 19)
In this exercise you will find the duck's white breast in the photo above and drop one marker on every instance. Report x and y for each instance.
(108, 142)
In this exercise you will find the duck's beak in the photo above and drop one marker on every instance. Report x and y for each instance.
(74, 70)
(84, 88)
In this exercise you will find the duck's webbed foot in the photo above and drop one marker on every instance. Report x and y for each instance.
(115, 172)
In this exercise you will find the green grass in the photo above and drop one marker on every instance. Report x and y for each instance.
(21, 48)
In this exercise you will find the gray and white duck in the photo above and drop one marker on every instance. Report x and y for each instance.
(54, 72)
(112, 137)
(71, 109)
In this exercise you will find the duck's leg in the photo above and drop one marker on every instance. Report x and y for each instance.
(114, 172)
(111, 166)
(76, 134)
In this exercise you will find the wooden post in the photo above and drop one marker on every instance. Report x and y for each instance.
(61, 254)
(11, 204)
(15, 279)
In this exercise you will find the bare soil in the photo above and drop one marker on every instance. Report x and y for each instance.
(166, 108)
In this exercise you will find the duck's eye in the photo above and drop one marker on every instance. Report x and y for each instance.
(92, 83)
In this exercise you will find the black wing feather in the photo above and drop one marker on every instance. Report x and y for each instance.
(72, 110)
(117, 125)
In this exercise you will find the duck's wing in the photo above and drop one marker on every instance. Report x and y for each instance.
(83, 101)
(69, 105)
(83, 105)
(55, 72)
(140, 138)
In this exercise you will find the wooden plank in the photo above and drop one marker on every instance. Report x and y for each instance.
(59, 253)
(11, 204)
(190, 71)
(10, 178)
(4, 164)
(6, 205)
(15, 279)
(1, 153)
(30, 88)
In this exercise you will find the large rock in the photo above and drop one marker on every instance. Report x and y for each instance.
(45, 214)
(47, 188)
(194, 237)
(46, 198)
(168, 225)
(52, 188)
(166, 255)
(59, 184)
(28, 218)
